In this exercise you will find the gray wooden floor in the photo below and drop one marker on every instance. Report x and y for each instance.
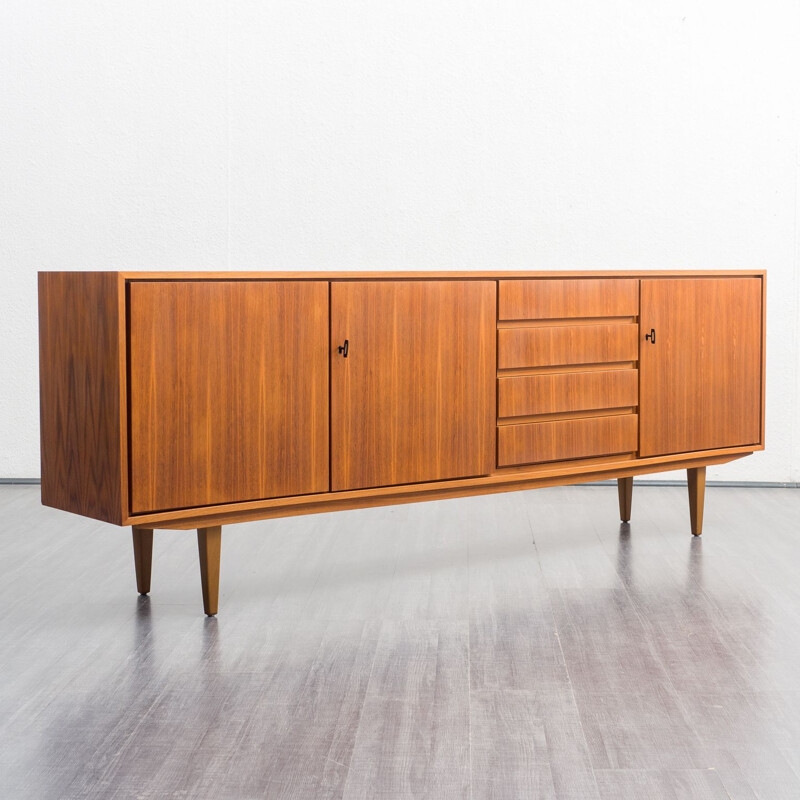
(511, 646)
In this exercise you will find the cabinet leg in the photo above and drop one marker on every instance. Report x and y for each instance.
(697, 492)
(208, 542)
(143, 558)
(625, 490)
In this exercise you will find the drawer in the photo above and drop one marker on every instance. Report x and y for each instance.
(521, 395)
(567, 344)
(537, 442)
(569, 298)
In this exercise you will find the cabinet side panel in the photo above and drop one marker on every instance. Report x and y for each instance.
(80, 389)
(762, 441)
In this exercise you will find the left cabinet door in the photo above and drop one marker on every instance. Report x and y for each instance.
(228, 391)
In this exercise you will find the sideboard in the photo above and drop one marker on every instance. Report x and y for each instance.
(193, 400)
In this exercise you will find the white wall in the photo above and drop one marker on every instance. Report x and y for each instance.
(414, 134)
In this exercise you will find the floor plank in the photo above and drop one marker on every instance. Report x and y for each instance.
(661, 785)
(413, 736)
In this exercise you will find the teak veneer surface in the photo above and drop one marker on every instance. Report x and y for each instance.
(229, 391)
(562, 299)
(499, 480)
(567, 344)
(414, 398)
(625, 492)
(701, 380)
(390, 275)
(522, 395)
(537, 442)
(85, 328)
(82, 393)
(444, 490)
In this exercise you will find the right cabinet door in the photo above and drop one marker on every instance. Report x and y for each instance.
(700, 380)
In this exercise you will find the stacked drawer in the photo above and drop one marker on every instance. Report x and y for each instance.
(567, 352)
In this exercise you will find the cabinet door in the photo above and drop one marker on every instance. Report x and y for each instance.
(228, 391)
(700, 382)
(414, 399)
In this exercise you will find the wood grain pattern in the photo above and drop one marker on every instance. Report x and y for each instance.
(107, 694)
(568, 391)
(700, 383)
(606, 365)
(393, 275)
(554, 321)
(762, 438)
(142, 558)
(506, 479)
(209, 541)
(689, 784)
(562, 299)
(402, 745)
(601, 412)
(100, 293)
(229, 392)
(625, 492)
(414, 400)
(81, 393)
(566, 344)
(537, 442)
(696, 480)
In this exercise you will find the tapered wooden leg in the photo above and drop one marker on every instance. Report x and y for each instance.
(697, 492)
(208, 542)
(143, 558)
(625, 490)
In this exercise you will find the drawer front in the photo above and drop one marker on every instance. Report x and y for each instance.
(523, 395)
(538, 442)
(567, 344)
(570, 298)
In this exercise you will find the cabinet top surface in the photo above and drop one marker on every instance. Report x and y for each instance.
(148, 275)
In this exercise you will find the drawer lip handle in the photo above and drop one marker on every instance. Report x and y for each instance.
(344, 348)
(651, 336)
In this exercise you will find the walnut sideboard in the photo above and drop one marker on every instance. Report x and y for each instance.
(192, 400)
